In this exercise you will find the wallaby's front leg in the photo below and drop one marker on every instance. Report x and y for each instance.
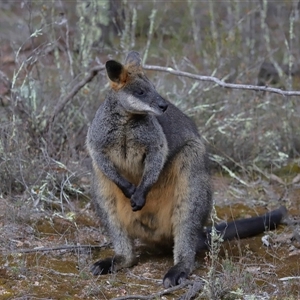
(108, 168)
(153, 165)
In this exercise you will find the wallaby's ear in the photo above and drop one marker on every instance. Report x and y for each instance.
(133, 62)
(114, 70)
(117, 73)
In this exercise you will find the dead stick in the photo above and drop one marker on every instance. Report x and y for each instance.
(95, 70)
(62, 247)
(156, 295)
(222, 83)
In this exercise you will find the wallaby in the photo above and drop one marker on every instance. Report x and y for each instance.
(151, 176)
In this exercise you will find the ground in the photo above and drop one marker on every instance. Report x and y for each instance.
(265, 270)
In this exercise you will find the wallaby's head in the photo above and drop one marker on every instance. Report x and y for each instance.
(134, 90)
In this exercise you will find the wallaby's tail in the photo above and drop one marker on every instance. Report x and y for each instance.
(244, 228)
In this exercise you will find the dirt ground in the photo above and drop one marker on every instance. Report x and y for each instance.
(46, 255)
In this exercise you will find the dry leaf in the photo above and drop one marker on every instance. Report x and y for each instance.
(296, 179)
(253, 270)
(274, 178)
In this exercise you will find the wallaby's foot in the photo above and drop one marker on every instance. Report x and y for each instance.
(176, 275)
(112, 264)
(101, 267)
(137, 200)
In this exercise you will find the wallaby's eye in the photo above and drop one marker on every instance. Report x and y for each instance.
(139, 92)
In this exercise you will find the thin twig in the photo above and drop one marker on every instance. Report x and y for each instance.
(95, 70)
(57, 273)
(62, 103)
(158, 294)
(222, 83)
(193, 290)
(62, 247)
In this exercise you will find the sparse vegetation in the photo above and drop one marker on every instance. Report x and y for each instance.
(48, 47)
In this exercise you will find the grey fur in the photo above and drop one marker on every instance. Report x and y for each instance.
(151, 178)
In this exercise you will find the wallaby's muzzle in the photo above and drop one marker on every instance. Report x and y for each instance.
(162, 104)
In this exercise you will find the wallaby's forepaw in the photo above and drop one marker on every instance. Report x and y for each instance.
(137, 201)
(174, 277)
(101, 267)
(129, 190)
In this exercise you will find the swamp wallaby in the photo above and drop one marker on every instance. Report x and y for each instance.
(151, 177)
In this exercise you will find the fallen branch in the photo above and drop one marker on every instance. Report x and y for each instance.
(62, 247)
(222, 83)
(57, 273)
(289, 278)
(193, 290)
(158, 294)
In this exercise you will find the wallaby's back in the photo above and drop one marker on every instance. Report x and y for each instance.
(177, 127)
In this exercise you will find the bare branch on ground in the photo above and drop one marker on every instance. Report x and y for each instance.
(57, 248)
(193, 290)
(158, 294)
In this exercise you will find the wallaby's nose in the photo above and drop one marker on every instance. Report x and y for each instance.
(162, 104)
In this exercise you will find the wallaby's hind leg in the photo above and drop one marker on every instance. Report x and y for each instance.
(122, 243)
(192, 205)
(111, 264)
(125, 256)
(103, 266)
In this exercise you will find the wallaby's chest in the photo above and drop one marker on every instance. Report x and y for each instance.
(128, 150)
